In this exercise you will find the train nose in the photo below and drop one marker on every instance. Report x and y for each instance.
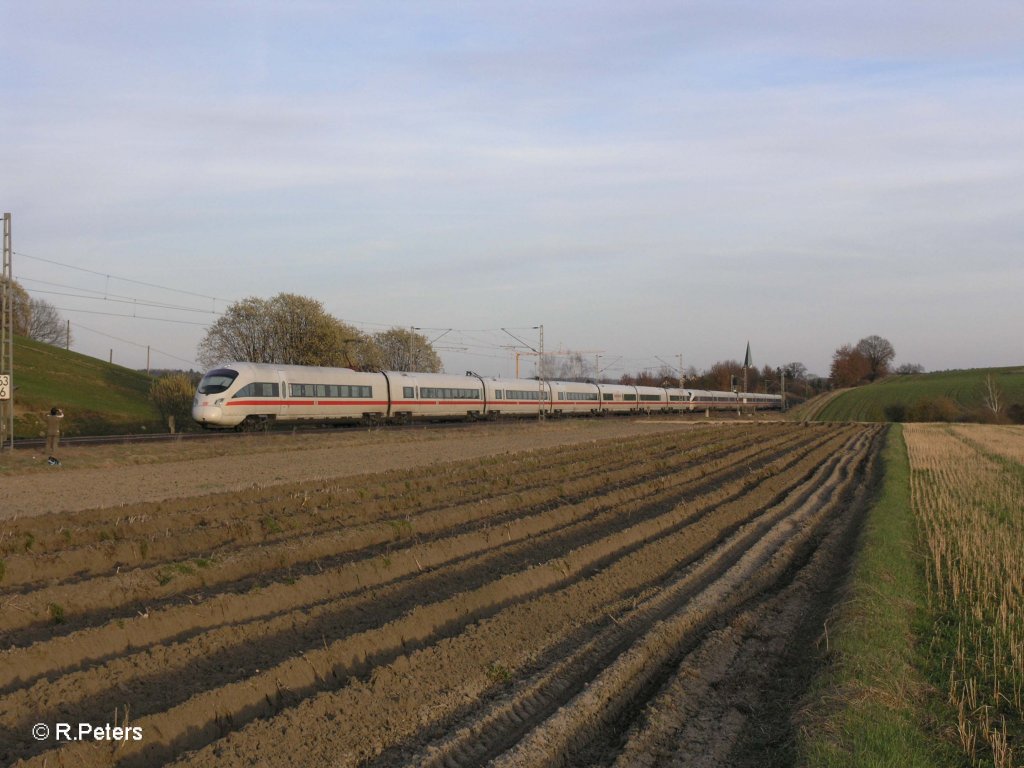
(207, 414)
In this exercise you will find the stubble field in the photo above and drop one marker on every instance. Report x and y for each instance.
(647, 595)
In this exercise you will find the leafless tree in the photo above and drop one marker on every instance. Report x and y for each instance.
(405, 350)
(879, 354)
(37, 319)
(574, 367)
(909, 369)
(287, 329)
(993, 395)
(45, 324)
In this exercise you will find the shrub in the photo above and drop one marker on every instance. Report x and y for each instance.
(940, 408)
(1015, 413)
(172, 395)
(895, 412)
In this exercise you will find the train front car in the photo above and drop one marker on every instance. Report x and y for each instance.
(214, 390)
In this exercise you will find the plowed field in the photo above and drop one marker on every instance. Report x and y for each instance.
(647, 600)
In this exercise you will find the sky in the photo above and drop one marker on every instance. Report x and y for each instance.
(644, 179)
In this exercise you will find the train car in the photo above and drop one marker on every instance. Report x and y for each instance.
(677, 400)
(651, 399)
(248, 394)
(702, 399)
(759, 401)
(435, 395)
(618, 398)
(571, 398)
(515, 397)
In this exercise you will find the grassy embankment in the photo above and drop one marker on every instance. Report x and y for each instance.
(927, 665)
(96, 397)
(956, 393)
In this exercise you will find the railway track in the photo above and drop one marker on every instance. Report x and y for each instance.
(212, 434)
(437, 617)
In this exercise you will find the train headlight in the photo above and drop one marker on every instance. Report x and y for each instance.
(219, 401)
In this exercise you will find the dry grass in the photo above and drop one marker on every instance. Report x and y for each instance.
(967, 490)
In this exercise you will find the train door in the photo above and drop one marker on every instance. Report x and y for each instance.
(282, 409)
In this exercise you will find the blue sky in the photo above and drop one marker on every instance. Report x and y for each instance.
(647, 179)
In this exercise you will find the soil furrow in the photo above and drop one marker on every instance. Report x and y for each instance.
(259, 572)
(447, 615)
(593, 714)
(174, 669)
(244, 515)
(487, 734)
(150, 585)
(293, 676)
(751, 671)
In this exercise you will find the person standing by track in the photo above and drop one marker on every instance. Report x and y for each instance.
(53, 431)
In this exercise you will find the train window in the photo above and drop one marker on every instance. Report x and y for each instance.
(578, 396)
(520, 394)
(321, 390)
(651, 398)
(216, 381)
(258, 389)
(450, 393)
(629, 397)
(407, 392)
(497, 394)
(609, 396)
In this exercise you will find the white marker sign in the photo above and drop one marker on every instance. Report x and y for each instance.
(5, 387)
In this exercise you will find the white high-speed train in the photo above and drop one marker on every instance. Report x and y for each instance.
(243, 395)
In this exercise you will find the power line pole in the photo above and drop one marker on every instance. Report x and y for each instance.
(540, 372)
(7, 342)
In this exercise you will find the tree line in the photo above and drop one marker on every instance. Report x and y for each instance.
(296, 330)
(870, 359)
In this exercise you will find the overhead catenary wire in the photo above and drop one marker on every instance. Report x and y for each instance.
(79, 326)
(115, 297)
(478, 342)
(122, 279)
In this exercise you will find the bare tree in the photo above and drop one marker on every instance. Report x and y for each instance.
(879, 354)
(287, 329)
(37, 319)
(241, 333)
(45, 324)
(795, 371)
(993, 395)
(909, 369)
(405, 350)
(574, 367)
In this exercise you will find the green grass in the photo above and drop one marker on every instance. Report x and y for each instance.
(966, 388)
(872, 705)
(96, 397)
